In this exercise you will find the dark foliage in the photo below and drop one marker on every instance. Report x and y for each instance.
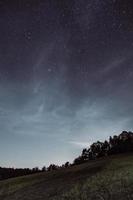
(116, 144)
(11, 172)
(52, 167)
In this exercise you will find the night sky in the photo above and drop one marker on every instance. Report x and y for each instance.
(66, 77)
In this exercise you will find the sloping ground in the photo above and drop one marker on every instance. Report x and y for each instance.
(48, 184)
(110, 178)
(114, 182)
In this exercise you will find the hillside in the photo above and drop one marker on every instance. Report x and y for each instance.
(105, 178)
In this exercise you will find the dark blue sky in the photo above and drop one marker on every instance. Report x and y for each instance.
(66, 77)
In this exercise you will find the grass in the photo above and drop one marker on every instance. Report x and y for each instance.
(104, 179)
(113, 183)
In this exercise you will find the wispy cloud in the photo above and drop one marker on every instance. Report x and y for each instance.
(81, 144)
(113, 65)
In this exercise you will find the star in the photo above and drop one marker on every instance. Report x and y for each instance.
(49, 70)
(28, 35)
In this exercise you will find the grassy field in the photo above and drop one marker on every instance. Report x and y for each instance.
(104, 179)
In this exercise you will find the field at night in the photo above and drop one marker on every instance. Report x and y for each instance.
(66, 92)
(108, 178)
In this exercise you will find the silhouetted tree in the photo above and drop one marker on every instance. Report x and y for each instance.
(67, 164)
(35, 170)
(78, 160)
(44, 169)
(116, 144)
(52, 167)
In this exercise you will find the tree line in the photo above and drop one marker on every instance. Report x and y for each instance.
(115, 145)
(6, 173)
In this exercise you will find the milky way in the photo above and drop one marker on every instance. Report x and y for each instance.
(66, 77)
